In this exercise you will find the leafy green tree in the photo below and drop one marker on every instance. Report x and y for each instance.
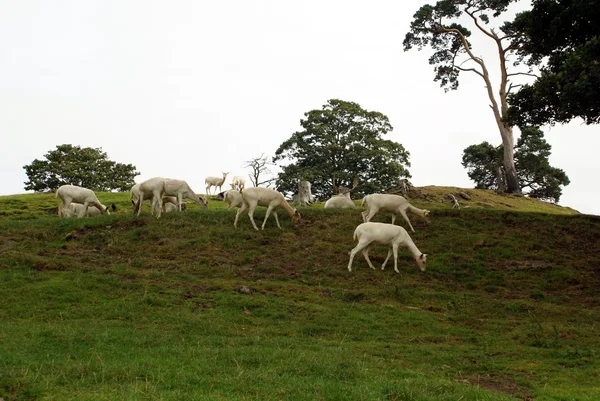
(86, 167)
(338, 143)
(484, 165)
(438, 27)
(563, 38)
(537, 177)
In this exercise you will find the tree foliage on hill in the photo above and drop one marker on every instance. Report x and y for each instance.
(338, 143)
(438, 27)
(563, 37)
(537, 177)
(85, 167)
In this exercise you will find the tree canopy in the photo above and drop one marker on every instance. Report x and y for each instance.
(339, 143)
(563, 38)
(439, 28)
(537, 177)
(85, 167)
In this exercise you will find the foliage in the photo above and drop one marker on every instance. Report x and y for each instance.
(563, 37)
(260, 167)
(439, 27)
(537, 178)
(338, 143)
(482, 162)
(85, 167)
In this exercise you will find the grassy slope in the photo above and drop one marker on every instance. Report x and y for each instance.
(119, 307)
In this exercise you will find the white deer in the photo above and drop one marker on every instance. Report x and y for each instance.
(395, 204)
(368, 234)
(268, 197)
(85, 196)
(215, 182)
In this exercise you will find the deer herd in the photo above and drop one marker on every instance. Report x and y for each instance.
(166, 195)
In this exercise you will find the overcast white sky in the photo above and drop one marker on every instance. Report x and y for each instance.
(188, 89)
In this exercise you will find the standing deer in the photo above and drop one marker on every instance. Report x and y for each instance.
(215, 182)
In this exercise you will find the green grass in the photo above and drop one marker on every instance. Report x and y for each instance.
(126, 308)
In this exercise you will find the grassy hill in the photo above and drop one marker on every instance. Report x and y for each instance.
(186, 308)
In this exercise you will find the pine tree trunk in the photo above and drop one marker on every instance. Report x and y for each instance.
(500, 180)
(512, 180)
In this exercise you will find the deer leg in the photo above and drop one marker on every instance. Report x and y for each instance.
(276, 218)
(386, 258)
(403, 213)
(370, 215)
(365, 253)
(269, 209)
(251, 215)
(240, 211)
(354, 251)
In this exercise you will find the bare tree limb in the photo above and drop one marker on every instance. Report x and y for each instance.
(469, 69)
(522, 73)
(511, 86)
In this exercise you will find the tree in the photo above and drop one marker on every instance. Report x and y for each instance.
(260, 167)
(536, 177)
(484, 165)
(437, 27)
(563, 38)
(85, 167)
(338, 143)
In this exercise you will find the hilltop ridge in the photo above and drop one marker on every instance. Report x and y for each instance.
(25, 206)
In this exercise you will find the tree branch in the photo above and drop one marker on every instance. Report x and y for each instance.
(511, 86)
(465, 69)
(463, 41)
(469, 69)
(512, 47)
(485, 73)
(522, 73)
(474, 18)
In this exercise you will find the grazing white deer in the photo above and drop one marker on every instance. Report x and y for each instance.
(215, 182)
(180, 189)
(368, 234)
(133, 197)
(395, 204)
(232, 197)
(153, 188)
(73, 193)
(268, 197)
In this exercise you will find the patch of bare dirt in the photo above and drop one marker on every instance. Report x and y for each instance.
(528, 265)
(7, 244)
(503, 384)
(77, 234)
